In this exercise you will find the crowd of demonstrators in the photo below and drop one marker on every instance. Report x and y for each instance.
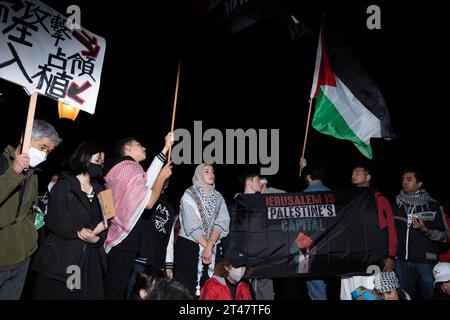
(18, 194)
(149, 250)
(204, 220)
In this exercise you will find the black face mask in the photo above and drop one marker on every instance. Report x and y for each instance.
(95, 170)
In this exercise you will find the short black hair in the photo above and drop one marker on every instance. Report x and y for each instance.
(245, 175)
(365, 166)
(81, 157)
(119, 149)
(316, 170)
(418, 173)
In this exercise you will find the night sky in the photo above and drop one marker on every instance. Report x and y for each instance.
(258, 78)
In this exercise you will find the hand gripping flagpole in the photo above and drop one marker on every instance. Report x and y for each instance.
(174, 107)
(306, 134)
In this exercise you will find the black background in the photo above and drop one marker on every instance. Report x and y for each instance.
(258, 78)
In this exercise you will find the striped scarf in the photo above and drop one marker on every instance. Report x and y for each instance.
(419, 198)
(208, 207)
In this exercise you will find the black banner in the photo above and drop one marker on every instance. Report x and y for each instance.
(314, 233)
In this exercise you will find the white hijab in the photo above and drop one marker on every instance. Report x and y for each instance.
(197, 180)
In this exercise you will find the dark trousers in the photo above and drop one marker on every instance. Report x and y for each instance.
(12, 281)
(414, 274)
(119, 269)
(186, 259)
(49, 289)
(137, 267)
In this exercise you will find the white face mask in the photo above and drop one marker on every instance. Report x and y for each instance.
(36, 156)
(50, 186)
(236, 274)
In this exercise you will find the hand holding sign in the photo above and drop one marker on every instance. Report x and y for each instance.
(21, 162)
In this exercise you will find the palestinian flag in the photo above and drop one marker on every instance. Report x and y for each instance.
(349, 105)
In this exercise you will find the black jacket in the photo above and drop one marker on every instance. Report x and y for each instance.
(69, 210)
(414, 245)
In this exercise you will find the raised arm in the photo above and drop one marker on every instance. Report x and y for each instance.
(165, 173)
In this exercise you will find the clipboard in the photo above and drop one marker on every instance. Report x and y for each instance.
(106, 200)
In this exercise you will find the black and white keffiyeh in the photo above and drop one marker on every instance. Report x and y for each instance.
(386, 281)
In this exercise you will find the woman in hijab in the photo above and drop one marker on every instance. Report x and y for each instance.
(204, 220)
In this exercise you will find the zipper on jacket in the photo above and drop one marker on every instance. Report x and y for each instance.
(407, 242)
(409, 215)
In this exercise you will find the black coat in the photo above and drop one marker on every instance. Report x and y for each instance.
(69, 210)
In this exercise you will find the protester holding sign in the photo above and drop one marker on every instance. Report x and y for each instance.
(339, 227)
(71, 262)
(18, 193)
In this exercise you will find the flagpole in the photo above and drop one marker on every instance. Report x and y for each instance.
(174, 106)
(306, 133)
(29, 125)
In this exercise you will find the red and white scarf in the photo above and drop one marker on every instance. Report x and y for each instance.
(131, 189)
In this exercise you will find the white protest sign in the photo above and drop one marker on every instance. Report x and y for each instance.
(39, 52)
